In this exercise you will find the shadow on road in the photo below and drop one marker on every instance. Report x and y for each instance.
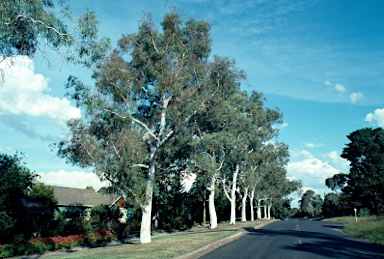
(327, 245)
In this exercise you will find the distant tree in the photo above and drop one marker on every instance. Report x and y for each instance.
(311, 204)
(16, 180)
(102, 190)
(37, 25)
(331, 206)
(89, 187)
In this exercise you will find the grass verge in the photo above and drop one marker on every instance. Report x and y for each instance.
(370, 230)
(163, 246)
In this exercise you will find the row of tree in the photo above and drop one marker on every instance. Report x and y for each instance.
(161, 108)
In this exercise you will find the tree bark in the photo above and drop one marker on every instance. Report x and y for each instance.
(232, 198)
(211, 203)
(204, 207)
(145, 229)
(244, 204)
(251, 197)
(265, 211)
(258, 209)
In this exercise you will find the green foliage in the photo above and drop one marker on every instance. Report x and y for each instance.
(89, 187)
(44, 194)
(40, 245)
(364, 184)
(281, 208)
(16, 181)
(311, 204)
(331, 207)
(27, 25)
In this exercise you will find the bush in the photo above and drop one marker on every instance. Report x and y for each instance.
(40, 245)
(364, 212)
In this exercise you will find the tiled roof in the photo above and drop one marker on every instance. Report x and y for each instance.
(88, 198)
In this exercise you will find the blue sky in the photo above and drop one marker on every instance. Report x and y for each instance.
(320, 62)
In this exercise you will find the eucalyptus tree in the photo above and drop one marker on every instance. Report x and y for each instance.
(311, 203)
(146, 93)
(212, 127)
(32, 26)
(253, 126)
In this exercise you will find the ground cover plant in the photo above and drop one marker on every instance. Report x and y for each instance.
(40, 245)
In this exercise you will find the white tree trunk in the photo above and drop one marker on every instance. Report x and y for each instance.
(204, 208)
(232, 198)
(211, 203)
(244, 204)
(251, 197)
(258, 209)
(265, 211)
(145, 229)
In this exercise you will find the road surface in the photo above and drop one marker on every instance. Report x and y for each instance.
(297, 238)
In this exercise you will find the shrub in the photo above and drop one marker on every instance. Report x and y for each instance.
(40, 245)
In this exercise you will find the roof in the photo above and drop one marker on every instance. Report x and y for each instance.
(67, 196)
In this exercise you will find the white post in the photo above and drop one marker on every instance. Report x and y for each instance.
(355, 213)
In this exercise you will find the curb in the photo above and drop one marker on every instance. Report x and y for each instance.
(209, 248)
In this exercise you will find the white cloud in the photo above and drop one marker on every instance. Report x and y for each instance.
(377, 115)
(354, 97)
(338, 161)
(328, 83)
(72, 179)
(313, 145)
(283, 125)
(340, 88)
(25, 92)
(311, 170)
(300, 154)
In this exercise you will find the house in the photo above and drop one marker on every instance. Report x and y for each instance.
(68, 197)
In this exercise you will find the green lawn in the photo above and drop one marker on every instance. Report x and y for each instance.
(163, 246)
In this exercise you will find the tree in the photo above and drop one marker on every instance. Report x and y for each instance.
(16, 179)
(145, 95)
(365, 181)
(30, 26)
(311, 204)
(331, 205)
(90, 187)
(44, 194)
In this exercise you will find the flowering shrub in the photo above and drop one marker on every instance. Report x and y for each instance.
(40, 245)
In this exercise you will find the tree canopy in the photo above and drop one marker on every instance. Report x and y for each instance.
(31, 26)
(16, 180)
(365, 180)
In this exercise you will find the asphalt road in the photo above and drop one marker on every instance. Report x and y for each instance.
(297, 238)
